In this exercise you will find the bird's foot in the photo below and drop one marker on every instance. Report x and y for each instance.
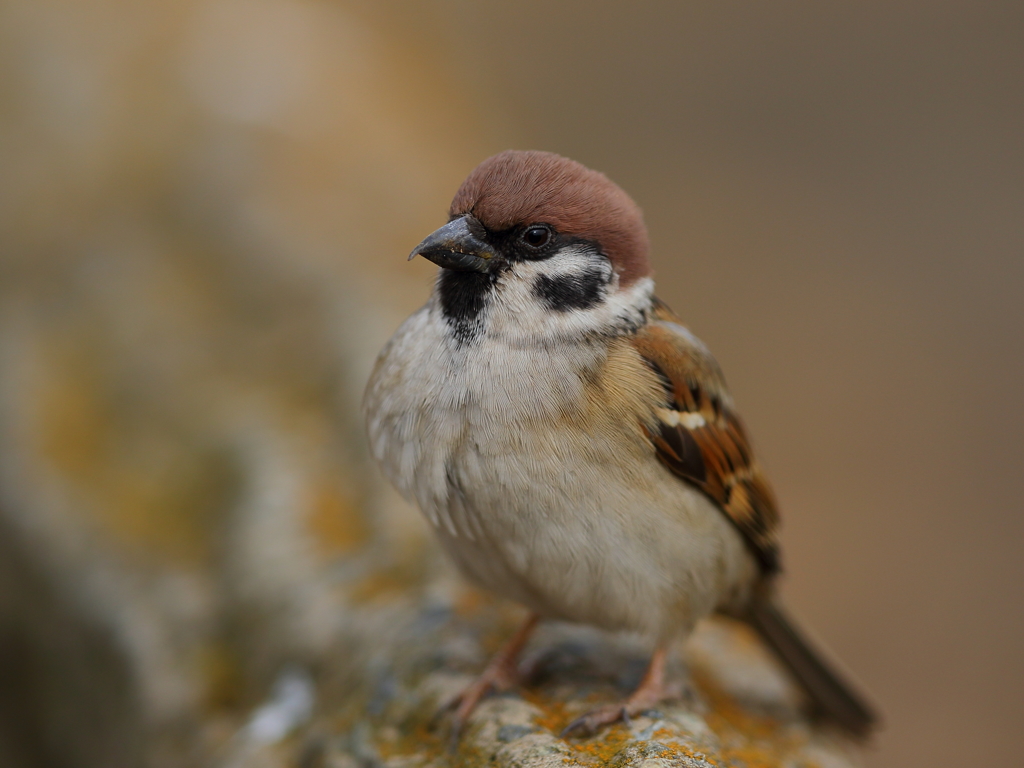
(624, 712)
(500, 675)
(651, 692)
(496, 678)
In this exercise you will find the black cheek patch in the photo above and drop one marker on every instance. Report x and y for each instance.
(575, 291)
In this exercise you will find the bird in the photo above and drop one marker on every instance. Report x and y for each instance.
(572, 444)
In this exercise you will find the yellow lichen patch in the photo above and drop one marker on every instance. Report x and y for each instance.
(751, 739)
(727, 714)
(403, 577)
(143, 484)
(221, 673)
(676, 749)
(429, 743)
(378, 586)
(553, 717)
(670, 739)
(72, 415)
(602, 747)
(416, 739)
(471, 601)
(595, 750)
(334, 522)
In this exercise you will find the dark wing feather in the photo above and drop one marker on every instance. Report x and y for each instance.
(699, 437)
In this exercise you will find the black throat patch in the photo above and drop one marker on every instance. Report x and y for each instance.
(572, 291)
(463, 297)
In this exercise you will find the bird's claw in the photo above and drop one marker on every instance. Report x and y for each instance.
(465, 703)
(592, 722)
(444, 709)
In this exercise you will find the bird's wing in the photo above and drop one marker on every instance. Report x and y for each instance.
(698, 437)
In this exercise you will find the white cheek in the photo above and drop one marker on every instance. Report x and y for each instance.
(517, 315)
(566, 262)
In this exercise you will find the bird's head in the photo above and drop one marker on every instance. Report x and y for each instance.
(537, 246)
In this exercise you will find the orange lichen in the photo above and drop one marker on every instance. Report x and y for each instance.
(602, 747)
(403, 576)
(669, 738)
(221, 673)
(726, 714)
(415, 739)
(379, 586)
(555, 716)
(146, 485)
(470, 601)
(335, 522)
(754, 740)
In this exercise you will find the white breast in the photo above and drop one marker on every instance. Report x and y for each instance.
(537, 497)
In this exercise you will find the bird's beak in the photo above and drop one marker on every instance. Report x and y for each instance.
(454, 246)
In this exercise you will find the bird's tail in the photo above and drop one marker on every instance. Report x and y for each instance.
(829, 693)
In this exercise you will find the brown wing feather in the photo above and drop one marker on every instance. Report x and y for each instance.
(699, 437)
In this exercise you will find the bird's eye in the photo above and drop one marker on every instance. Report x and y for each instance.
(536, 237)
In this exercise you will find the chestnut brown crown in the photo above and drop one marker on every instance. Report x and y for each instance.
(517, 188)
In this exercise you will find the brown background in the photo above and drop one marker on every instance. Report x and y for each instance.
(836, 201)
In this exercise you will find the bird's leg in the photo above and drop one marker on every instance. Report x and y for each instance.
(500, 674)
(648, 694)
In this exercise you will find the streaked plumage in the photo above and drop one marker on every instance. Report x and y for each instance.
(699, 436)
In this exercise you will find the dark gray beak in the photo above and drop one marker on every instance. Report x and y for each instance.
(454, 246)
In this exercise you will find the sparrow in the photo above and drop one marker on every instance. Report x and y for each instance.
(572, 444)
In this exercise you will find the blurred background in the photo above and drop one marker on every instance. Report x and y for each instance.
(205, 207)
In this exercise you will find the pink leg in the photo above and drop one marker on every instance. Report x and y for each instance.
(499, 675)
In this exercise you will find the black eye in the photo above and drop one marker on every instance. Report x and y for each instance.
(536, 236)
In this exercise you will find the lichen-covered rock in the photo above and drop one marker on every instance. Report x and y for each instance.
(735, 706)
